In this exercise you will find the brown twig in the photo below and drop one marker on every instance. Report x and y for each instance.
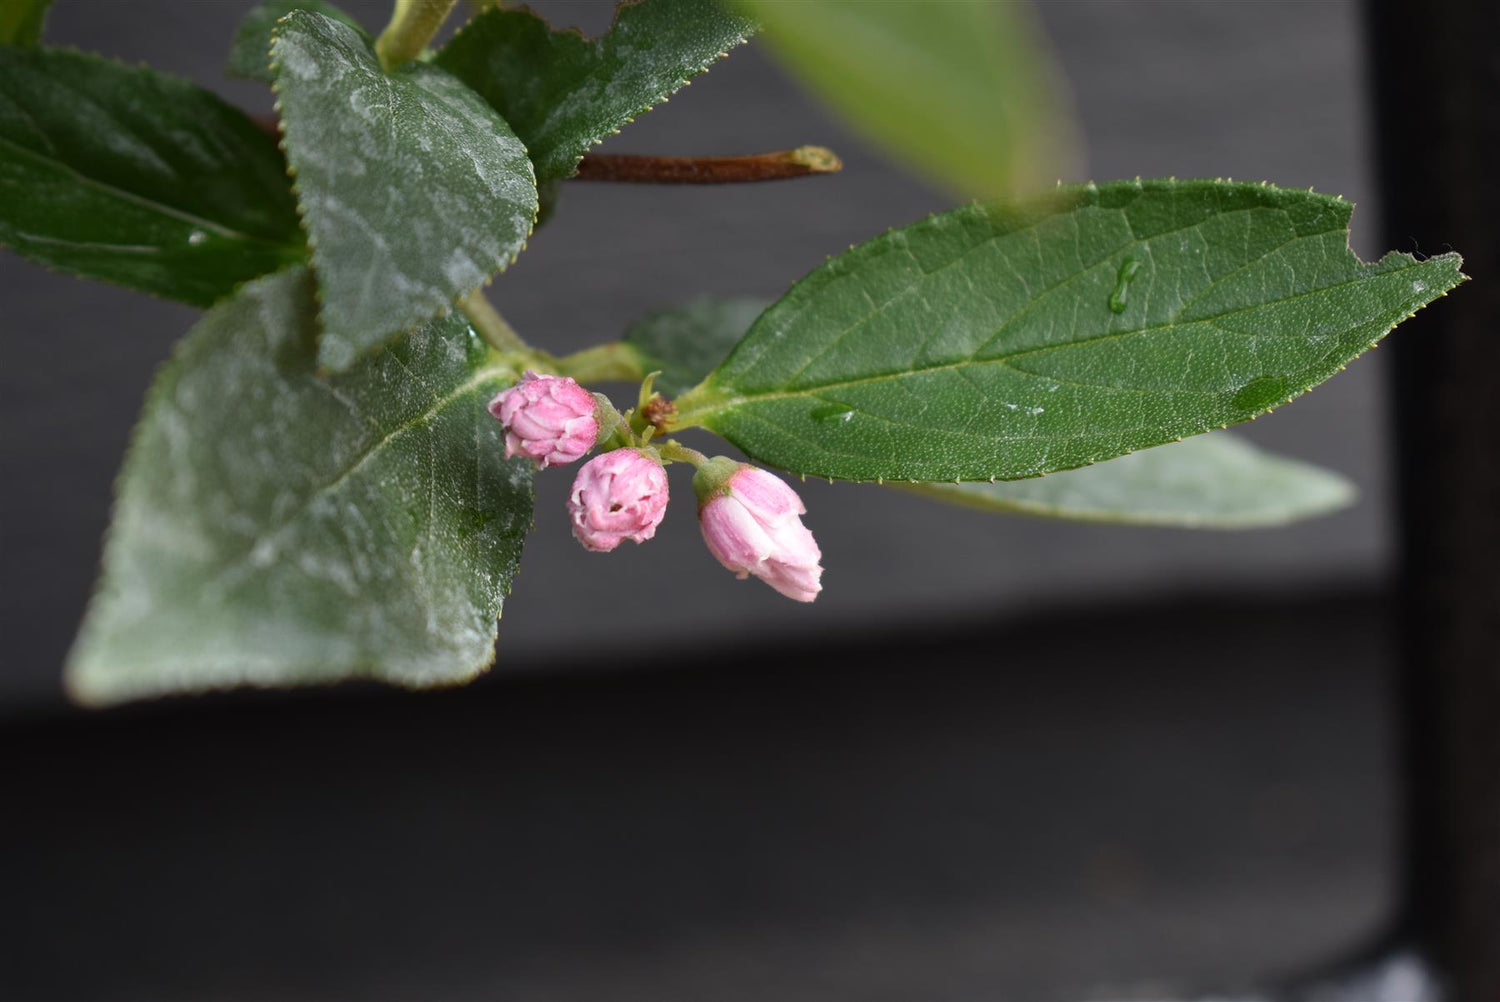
(776, 166)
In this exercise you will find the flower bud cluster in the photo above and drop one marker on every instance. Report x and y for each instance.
(751, 520)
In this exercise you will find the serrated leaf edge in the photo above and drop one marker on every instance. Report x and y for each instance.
(751, 28)
(500, 267)
(80, 692)
(701, 411)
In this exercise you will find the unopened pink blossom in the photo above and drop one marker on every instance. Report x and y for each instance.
(549, 419)
(751, 521)
(617, 496)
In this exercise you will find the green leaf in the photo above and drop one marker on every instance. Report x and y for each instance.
(250, 52)
(413, 191)
(965, 92)
(1214, 481)
(21, 21)
(684, 344)
(275, 528)
(1007, 343)
(120, 173)
(563, 93)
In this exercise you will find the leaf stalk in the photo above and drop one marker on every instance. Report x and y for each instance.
(604, 363)
(496, 331)
(413, 23)
(674, 451)
(693, 406)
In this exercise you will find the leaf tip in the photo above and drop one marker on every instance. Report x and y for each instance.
(80, 687)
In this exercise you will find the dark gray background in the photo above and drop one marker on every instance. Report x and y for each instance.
(1253, 90)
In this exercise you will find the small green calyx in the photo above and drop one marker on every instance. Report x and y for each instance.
(610, 420)
(712, 478)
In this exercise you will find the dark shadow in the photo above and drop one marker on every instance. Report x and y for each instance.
(1196, 789)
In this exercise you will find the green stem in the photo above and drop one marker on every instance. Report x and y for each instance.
(413, 23)
(675, 452)
(694, 405)
(492, 326)
(612, 362)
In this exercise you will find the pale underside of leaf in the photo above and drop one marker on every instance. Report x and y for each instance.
(1009, 343)
(412, 190)
(1213, 481)
(276, 528)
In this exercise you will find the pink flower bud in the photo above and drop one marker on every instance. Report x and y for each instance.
(547, 418)
(617, 496)
(751, 523)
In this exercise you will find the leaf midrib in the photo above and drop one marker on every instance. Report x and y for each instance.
(141, 201)
(1009, 357)
(481, 375)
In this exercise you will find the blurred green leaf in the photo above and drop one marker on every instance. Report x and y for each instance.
(412, 189)
(276, 528)
(1214, 481)
(965, 92)
(563, 93)
(120, 173)
(250, 52)
(685, 344)
(995, 342)
(21, 21)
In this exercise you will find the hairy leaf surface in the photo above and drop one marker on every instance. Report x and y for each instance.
(120, 173)
(563, 93)
(250, 52)
(1007, 343)
(276, 528)
(1214, 481)
(965, 92)
(413, 191)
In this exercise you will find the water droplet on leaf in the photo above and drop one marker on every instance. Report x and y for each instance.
(1118, 299)
(476, 351)
(1260, 394)
(833, 414)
